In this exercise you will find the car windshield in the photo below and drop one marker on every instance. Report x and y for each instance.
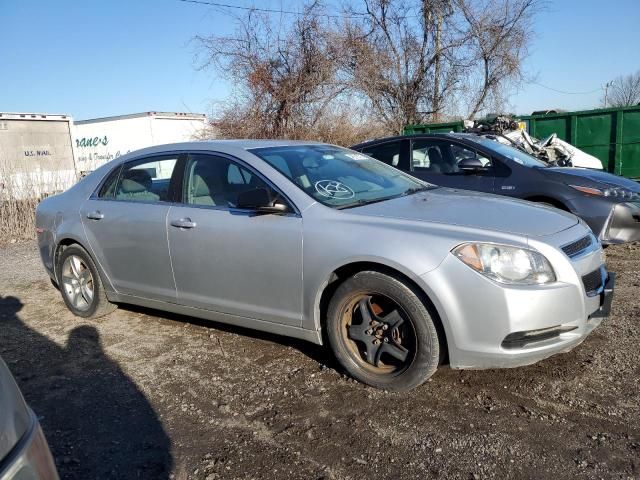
(510, 152)
(338, 177)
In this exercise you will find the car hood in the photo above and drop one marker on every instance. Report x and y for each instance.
(597, 176)
(473, 210)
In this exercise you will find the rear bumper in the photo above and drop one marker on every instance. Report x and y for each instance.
(623, 224)
(30, 459)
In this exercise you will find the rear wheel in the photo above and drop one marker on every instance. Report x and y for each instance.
(382, 333)
(80, 284)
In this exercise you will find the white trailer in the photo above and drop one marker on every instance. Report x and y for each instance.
(36, 155)
(100, 140)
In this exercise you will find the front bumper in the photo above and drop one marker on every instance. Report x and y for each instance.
(623, 224)
(606, 298)
(30, 459)
(479, 315)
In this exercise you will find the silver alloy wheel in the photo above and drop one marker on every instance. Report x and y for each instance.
(77, 282)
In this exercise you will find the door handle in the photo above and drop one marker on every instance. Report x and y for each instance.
(97, 215)
(183, 223)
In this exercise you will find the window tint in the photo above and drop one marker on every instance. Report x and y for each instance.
(429, 156)
(388, 153)
(216, 181)
(510, 152)
(108, 189)
(441, 157)
(459, 152)
(146, 181)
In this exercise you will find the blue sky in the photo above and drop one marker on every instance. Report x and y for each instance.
(96, 58)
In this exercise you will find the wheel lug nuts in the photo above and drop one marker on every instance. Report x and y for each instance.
(369, 332)
(376, 342)
(386, 340)
(385, 327)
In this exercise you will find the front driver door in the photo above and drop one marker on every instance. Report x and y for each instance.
(231, 260)
(125, 223)
(436, 161)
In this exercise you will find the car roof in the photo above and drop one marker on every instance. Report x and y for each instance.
(459, 136)
(223, 146)
(249, 143)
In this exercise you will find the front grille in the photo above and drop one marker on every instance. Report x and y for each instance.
(592, 281)
(576, 248)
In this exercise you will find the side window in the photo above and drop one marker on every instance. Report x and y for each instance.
(216, 181)
(108, 189)
(147, 180)
(388, 153)
(459, 152)
(430, 156)
(238, 176)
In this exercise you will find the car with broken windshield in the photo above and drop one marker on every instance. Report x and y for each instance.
(608, 203)
(395, 275)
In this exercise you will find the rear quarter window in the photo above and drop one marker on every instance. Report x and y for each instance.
(108, 188)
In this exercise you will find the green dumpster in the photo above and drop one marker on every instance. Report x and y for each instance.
(610, 134)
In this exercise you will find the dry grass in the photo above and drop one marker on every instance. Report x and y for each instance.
(20, 194)
(17, 219)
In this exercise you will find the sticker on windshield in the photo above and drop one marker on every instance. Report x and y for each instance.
(334, 189)
(356, 156)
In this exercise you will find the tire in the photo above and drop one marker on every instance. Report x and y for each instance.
(409, 332)
(77, 277)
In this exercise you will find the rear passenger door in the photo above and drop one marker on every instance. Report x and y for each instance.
(125, 224)
(230, 260)
(436, 161)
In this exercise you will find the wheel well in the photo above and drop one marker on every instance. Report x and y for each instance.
(62, 245)
(551, 201)
(339, 275)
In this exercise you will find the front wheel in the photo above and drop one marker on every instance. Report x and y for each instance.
(381, 332)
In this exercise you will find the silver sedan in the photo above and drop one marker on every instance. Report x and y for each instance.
(328, 245)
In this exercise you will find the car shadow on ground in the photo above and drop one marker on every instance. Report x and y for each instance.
(318, 353)
(97, 422)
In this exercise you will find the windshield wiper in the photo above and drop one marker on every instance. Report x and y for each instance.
(362, 201)
(413, 190)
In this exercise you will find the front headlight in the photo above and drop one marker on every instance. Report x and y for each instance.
(613, 192)
(511, 265)
(622, 193)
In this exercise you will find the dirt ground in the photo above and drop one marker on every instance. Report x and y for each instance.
(144, 394)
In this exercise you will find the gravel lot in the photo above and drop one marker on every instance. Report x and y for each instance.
(144, 394)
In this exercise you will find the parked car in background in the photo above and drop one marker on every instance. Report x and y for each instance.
(24, 453)
(323, 243)
(608, 203)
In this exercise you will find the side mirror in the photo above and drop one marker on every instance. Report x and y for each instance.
(471, 165)
(259, 199)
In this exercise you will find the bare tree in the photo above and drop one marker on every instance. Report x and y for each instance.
(408, 61)
(624, 91)
(396, 55)
(284, 73)
(413, 60)
(498, 32)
